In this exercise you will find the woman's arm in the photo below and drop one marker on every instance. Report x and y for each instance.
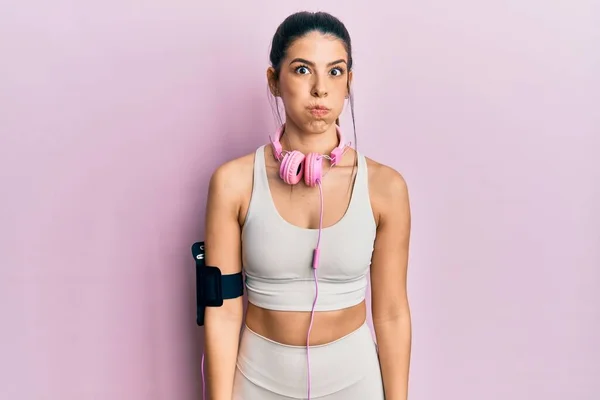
(390, 308)
(223, 249)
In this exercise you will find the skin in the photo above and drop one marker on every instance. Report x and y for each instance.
(300, 84)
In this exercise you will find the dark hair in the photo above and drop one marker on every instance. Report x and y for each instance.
(296, 26)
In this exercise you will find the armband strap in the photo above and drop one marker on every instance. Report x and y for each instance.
(212, 287)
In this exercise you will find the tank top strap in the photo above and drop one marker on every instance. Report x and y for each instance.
(259, 166)
(360, 195)
(362, 166)
(260, 186)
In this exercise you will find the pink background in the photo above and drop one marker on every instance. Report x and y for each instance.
(114, 114)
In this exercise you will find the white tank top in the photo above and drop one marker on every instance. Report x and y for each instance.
(277, 255)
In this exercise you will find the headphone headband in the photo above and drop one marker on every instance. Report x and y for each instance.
(334, 156)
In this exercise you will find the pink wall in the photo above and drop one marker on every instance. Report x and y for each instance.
(113, 115)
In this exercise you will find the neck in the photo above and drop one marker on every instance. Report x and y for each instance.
(322, 142)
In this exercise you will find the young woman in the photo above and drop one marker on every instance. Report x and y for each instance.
(308, 217)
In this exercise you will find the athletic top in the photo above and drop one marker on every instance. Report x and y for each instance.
(277, 255)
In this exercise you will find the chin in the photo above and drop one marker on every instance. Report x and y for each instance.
(318, 125)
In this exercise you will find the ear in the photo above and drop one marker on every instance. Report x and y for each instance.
(272, 81)
(350, 77)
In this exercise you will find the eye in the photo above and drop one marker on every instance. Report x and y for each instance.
(302, 69)
(339, 71)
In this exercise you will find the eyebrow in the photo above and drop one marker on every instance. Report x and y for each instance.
(302, 60)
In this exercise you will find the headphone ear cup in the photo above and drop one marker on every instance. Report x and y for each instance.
(313, 169)
(291, 169)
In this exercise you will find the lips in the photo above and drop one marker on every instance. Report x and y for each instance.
(319, 108)
(319, 111)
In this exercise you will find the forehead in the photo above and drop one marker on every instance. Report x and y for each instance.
(318, 48)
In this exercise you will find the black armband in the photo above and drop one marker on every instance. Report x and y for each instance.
(211, 286)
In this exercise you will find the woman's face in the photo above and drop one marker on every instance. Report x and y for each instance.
(313, 81)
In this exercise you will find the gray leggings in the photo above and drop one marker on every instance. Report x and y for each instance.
(345, 369)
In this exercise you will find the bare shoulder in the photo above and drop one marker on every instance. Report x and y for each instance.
(388, 190)
(232, 179)
(386, 181)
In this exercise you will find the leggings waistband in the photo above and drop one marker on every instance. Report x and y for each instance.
(283, 369)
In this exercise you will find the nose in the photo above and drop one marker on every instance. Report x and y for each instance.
(319, 88)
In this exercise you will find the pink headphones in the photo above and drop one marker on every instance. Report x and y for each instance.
(295, 165)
